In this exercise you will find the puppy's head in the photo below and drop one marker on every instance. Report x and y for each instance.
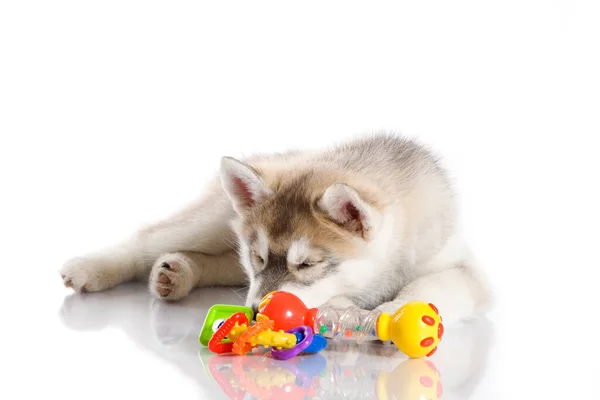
(296, 230)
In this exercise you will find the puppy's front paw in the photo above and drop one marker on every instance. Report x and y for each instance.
(86, 274)
(171, 277)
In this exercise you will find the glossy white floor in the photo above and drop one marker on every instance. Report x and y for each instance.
(123, 344)
(124, 335)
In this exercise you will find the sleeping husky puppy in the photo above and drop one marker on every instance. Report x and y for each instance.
(370, 223)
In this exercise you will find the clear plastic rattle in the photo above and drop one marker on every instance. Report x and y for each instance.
(415, 328)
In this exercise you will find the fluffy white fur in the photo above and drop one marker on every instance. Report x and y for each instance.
(409, 247)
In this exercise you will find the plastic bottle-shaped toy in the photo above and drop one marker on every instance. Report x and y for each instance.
(415, 328)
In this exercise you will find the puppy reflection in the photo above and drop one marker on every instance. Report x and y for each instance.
(166, 330)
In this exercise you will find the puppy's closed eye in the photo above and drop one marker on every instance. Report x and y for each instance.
(259, 258)
(308, 264)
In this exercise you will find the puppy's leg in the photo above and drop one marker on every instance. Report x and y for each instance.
(175, 274)
(201, 227)
(458, 292)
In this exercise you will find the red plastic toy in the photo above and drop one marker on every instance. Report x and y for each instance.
(286, 310)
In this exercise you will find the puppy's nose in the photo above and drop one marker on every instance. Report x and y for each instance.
(255, 309)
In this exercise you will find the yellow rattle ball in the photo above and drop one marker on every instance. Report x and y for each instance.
(416, 328)
(412, 379)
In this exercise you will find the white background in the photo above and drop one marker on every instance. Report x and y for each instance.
(115, 113)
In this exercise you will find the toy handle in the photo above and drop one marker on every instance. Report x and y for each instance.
(215, 344)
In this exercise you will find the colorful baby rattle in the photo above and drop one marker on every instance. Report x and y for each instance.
(415, 328)
(284, 323)
(241, 338)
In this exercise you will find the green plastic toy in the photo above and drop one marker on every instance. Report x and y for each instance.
(216, 315)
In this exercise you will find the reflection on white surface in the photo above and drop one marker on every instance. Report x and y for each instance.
(344, 370)
(351, 371)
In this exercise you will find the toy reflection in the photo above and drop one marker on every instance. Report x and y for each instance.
(347, 370)
(263, 377)
(311, 377)
(412, 379)
(344, 370)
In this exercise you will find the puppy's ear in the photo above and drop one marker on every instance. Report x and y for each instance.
(344, 205)
(243, 185)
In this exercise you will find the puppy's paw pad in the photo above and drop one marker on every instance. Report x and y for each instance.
(164, 286)
(171, 277)
(164, 279)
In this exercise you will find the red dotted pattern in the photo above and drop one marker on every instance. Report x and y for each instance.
(427, 342)
(431, 366)
(426, 381)
(432, 352)
(440, 331)
(428, 320)
(434, 308)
